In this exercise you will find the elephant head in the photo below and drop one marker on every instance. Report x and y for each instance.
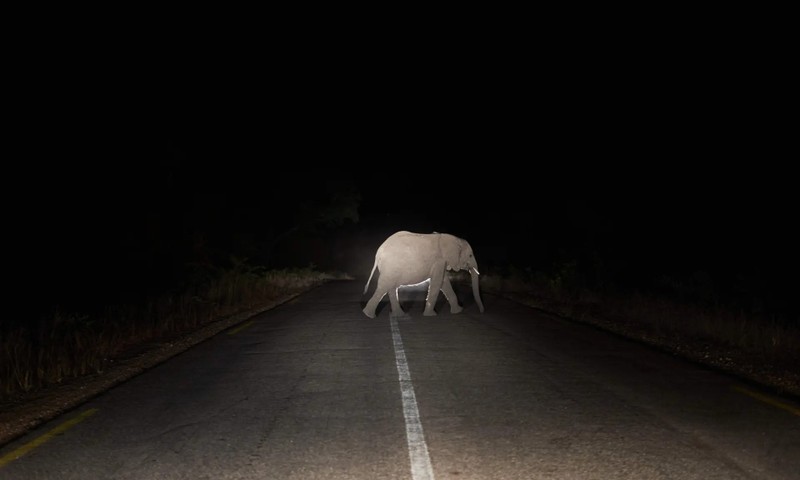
(407, 258)
(459, 256)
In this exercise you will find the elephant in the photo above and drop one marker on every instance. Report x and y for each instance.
(407, 259)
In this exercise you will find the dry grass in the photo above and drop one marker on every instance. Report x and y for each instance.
(70, 345)
(763, 348)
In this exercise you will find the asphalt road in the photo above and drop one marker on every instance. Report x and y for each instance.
(315, 390)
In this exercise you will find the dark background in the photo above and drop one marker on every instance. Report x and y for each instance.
(638, 174)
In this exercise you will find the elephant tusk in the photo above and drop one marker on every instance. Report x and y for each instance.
(476, 270)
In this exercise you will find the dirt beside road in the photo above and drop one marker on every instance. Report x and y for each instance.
(22, 414)
(781, 379)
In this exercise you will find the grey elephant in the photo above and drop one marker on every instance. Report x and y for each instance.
(406, 259)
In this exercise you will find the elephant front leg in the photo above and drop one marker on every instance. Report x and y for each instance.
(450, 295)
(437, 275)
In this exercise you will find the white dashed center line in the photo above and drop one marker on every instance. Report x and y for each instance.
(417, 449)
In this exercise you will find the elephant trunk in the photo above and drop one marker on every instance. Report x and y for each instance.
(476, 292)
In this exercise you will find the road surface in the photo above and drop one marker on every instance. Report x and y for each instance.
(315, 390)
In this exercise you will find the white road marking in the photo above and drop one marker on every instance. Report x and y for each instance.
(417, 449)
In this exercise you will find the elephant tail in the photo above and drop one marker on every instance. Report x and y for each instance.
(366, 287)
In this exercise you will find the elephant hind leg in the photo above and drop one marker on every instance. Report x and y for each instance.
(394, 301)
(372, 304)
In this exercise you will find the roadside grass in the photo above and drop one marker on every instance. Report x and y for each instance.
(68, 345)
(713, 333)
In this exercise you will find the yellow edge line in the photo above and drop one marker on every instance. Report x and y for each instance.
(240, 328)
(10, 457)
(769, 400)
